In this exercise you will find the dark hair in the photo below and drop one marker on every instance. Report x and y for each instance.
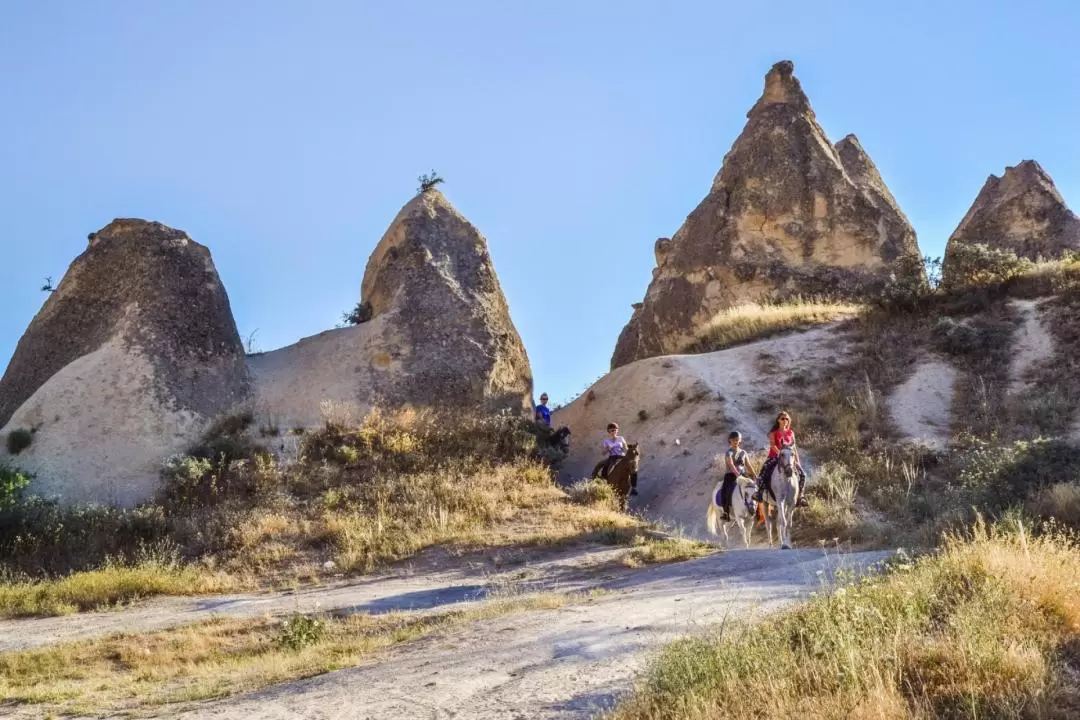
(612, 426)
(776, 423)
(735, 435)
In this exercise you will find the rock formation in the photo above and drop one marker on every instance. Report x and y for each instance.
(1021, 211)
(788, 214)
(129, 357)
(439, 333)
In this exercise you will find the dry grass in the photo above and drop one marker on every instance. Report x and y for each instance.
(649, 550)
(220, 658)
(987, 627)
(360, 498)
(753, 321)
(108, 587)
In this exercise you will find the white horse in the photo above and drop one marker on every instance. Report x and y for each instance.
(741, 515)
(782, 493)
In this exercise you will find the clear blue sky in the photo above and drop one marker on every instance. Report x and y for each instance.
(286, 135)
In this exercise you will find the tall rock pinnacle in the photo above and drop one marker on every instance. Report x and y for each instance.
(788, 214)
(1021, 211)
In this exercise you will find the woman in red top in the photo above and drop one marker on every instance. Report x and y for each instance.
(780, 435)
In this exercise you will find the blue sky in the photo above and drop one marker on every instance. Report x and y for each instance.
(286, 135)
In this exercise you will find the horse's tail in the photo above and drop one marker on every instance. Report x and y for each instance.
(711, 517)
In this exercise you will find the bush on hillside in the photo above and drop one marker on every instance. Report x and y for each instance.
(970, 264)
(12, 483)
(18, 440)
(910, 282)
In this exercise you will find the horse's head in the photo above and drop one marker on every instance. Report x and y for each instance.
(746, 484)
(634, 454)
(786, 461)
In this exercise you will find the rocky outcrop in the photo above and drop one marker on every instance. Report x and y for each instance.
(1021, 211)
(127, 360)
(788, 214)
(437, 330)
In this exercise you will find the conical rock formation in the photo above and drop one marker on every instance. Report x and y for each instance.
(438, 332)
(1021, 211)
(788, 214)
(127, 360)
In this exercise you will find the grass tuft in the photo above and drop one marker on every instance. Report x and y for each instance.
(754, 321)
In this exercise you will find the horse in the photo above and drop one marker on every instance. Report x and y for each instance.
(741, 512)
(560, 439)
(782, 492)
(623, 474)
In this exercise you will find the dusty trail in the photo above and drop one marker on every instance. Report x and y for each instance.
(565, 572)
(566, 663)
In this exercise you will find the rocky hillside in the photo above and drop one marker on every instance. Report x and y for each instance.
(788, 214)
(127, 360)
(436, 331)
(1022, 212)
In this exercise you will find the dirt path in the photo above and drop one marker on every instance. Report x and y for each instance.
(1032, 345)
(921, 407)
(565, 572)
(566, 663)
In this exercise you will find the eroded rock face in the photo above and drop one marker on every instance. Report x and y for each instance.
(788, 214)
(432, 272)
(1021, 211)
(437, 331)
(125, 363)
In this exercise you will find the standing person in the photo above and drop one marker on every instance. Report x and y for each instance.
(780, 435)
(736, 463)
(542, 414)
(614, 447)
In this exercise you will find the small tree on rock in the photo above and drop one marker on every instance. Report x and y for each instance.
(428, 181)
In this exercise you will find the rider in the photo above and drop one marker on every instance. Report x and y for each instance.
(780, 435)
(736, 463)
(542, 414)
(614, 447)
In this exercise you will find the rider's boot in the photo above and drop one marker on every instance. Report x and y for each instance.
(802, 502)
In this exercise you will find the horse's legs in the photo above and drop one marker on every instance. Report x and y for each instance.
(782, 519)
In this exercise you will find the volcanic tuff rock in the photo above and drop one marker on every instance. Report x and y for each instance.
(1021, 211)
(439, 333)
(788, 214)
(123, 365)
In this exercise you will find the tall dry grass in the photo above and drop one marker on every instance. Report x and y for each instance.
(987, 627)
(756, 321)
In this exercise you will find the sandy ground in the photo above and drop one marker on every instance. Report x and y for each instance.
(921, 407)
(564, 572)
(1032, 344)
(566, 663)
(733, 389)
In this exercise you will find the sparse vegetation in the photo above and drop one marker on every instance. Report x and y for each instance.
(361, 496)
(987, 627)
(642, 415)
(750, 322)
(358, 315)
(650, 550)
(12, 484)
(18, 440)
(220, 658)
(48, 286)
(428, 181)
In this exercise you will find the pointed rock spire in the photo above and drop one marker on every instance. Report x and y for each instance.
(129, 358)
(1021, 211)
(788, 214)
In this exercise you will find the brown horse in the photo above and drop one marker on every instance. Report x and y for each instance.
(623, 474)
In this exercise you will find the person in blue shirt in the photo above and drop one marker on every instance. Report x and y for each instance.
(543, 413)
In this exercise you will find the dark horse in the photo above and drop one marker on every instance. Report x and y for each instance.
(559, 439)
(623, 474)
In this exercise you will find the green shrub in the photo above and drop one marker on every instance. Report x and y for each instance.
(968, 264)
(12, 483)
(18, 440)
(910, 282)
(359, 314)
(299, 631)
